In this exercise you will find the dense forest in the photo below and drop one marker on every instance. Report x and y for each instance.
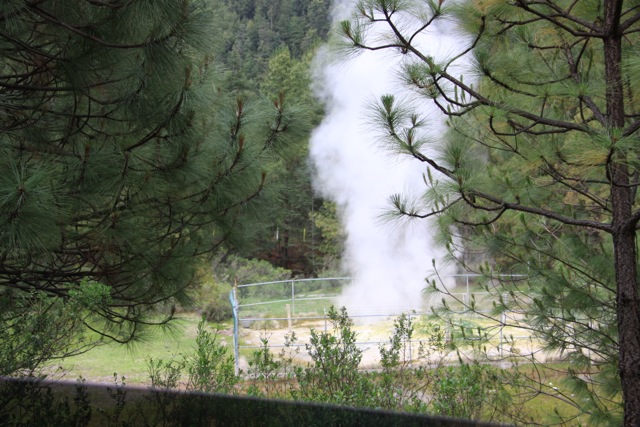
(267, 51)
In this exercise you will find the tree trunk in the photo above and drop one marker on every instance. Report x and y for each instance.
(628, 316)
(624, 228)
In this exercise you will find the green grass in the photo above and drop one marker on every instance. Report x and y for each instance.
(278, 308)
(100, 363)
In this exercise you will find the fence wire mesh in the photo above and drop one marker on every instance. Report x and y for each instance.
(272, 311)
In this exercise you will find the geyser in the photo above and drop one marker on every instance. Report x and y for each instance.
(388, 261)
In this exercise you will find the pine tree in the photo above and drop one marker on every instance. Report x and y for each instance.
(122, 162)
(542, 150)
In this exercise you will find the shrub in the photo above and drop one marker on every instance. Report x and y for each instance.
(472, 391)
(232, 269)
(211, 295)
(218, 308)
(210, 369)
(407, 373)
(333, 376)
(227, 271)
(270, 375)
(29, 403)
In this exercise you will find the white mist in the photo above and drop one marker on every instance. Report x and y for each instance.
(388, 261)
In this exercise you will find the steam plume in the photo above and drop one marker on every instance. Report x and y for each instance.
(388, 262)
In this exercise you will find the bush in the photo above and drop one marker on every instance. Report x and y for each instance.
(271, 376)
(218, 309)
(333, 376)
(214, 281)
(227, 271)
(471, 391)
(210, 368)
(406, 377)
(232, 269)
(28, 403)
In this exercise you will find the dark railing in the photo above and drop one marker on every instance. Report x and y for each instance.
(47, 403)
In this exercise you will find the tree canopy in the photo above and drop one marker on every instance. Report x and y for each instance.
(540, 164)
(123, 159)
(266, 48)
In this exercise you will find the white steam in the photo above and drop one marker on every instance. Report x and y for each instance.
(389, 261)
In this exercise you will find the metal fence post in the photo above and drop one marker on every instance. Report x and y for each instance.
(325, 320)
(410, 348)
(293, 299)
(468, 297)
(233, 297)
(503, 320)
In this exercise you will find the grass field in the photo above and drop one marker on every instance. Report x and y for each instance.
(100, 363)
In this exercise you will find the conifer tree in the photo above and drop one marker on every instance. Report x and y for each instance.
(122, 162)
(541, 159)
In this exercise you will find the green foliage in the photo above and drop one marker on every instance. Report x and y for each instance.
(412, 379)
(534, 173)
(118, 395)
(211, 296)
(164, 377)
(124, 160)
(327, 222)
(234, 269)
(39, 327)
(287, 75)
(264, 27)
(270, 51)
(218, 308)
(28, 403)
(471, 391)
(406, 378)
(270, 376)
(264, 371)
(413, 375)
(333, 376)
(209, 369)
(88, 295)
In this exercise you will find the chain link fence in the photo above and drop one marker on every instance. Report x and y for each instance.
(273, 311)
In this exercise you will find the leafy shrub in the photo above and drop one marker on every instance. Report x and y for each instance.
(30, 403)
(407, 373)
(471, 391)
(37, 327)
(210, 368)
(235, 269)
(270, 376)
(211, 293)
(218, 308)
(333, 375)
(413, 377)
